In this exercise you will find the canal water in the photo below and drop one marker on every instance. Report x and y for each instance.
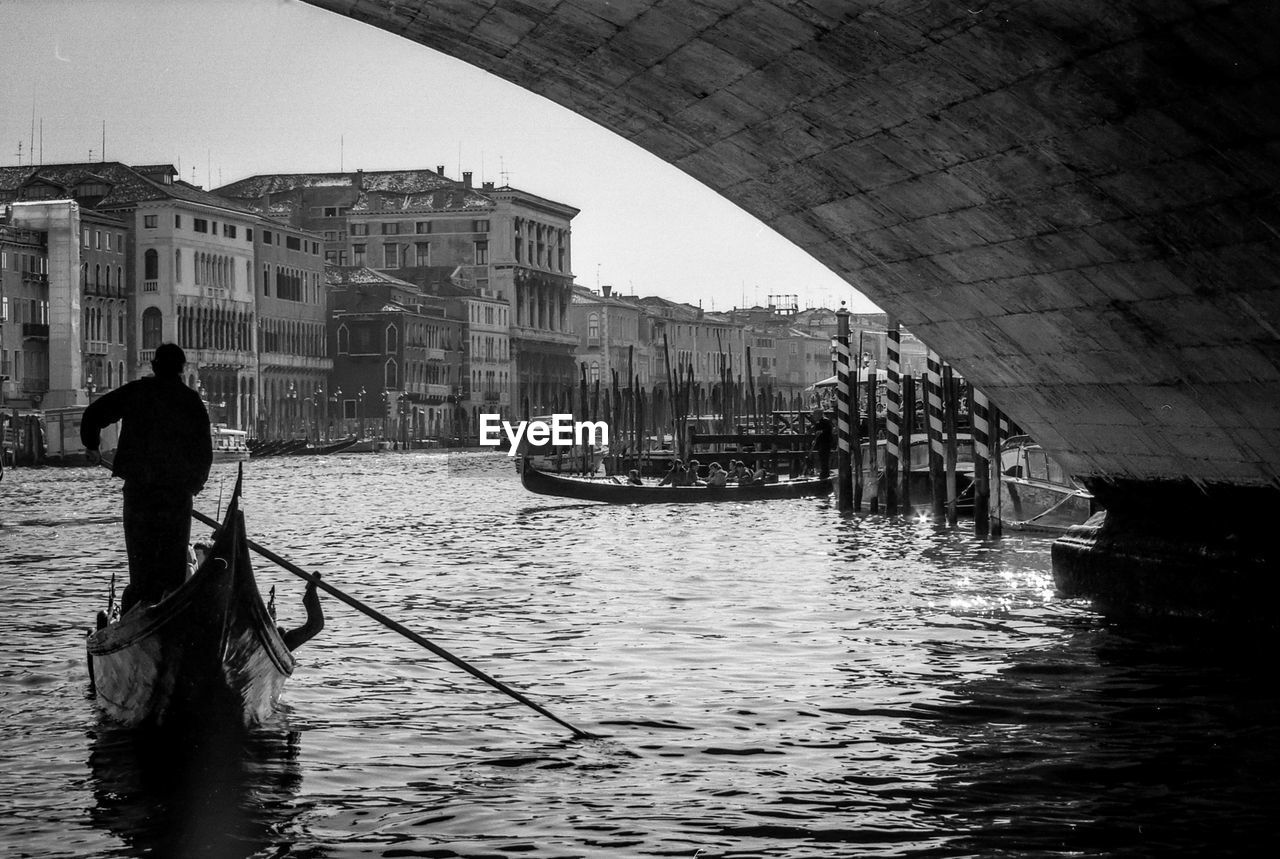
(770, 679)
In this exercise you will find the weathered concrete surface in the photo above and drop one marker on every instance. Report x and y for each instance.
(1073, 201)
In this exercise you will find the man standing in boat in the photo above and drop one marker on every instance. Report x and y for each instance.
(822, 434)
(164, 455)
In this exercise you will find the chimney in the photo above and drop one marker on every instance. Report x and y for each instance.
(466, 179)
(606, 290)
(440, 170)
(488, 186)
(359, 180)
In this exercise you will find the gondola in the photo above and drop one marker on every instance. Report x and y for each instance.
(321, 449)
(208, 650)
(585, 489)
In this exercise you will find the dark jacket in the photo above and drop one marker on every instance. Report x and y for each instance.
(164, 435)
(822, 435)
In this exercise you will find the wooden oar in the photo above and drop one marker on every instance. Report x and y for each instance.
(403, 630)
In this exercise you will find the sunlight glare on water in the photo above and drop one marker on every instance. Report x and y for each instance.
(769, 679)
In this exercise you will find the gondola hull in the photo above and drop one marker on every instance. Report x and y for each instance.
(621, 493)
(209, 650)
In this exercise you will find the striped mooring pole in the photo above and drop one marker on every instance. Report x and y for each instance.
(979, 411)
(892, 418)
(937, 452)
(844, 394)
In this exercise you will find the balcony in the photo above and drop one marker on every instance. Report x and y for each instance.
(35, 331)
(151, 286)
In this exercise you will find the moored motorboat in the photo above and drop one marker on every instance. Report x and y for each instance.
(1035, 493)
(209, 649)
(609, 491)
(229, 445)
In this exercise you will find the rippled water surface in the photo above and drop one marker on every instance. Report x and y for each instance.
(770, 679)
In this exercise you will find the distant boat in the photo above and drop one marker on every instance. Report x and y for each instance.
(208, 650)
(1035, 493)
(229, 445)
(616, 491)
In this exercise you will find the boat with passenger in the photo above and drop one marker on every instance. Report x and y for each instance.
(208, 650)
(615, 490)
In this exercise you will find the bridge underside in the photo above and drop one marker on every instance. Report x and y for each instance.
(1074, 202)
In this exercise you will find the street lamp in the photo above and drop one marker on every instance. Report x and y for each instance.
(316, 400)
(291, 407)
(360, 406)
(403, 401)
(335, 401)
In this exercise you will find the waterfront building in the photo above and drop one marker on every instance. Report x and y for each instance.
(613, 336)
(397, 358)
(506, 243)
(24, 312)
(486, 361)
(186, 274)
(691, 339)
(292, 301)
(106, 272)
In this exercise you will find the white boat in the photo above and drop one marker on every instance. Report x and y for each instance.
(1035, 493)
(229, 445)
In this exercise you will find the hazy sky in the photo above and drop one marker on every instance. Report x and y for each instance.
(226, 89)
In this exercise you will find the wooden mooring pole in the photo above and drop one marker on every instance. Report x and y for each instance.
(908, 428)
(950, 451)
(873, 445)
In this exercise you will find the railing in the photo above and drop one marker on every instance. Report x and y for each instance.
(151, 286)
(146, 356)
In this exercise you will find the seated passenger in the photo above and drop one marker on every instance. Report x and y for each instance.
(674, 475)
(691, 474)
(633, 478)
(717, 476)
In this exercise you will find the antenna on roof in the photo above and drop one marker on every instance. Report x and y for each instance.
(341, 151)
(502, 172)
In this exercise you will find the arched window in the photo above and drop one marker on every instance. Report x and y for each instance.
(593, 374)
(97, 275)
(593, 326)
(390, 375)
(151, 265)
(177, 266)
(344, 340)
(151, 322)
(392, 339)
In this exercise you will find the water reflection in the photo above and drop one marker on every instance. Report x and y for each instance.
(215, 794)
(1140, 741)
(776, 680)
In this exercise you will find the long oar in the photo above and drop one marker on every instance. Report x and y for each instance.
(403, 630)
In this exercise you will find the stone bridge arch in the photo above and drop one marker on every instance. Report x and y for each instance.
(1073, 202)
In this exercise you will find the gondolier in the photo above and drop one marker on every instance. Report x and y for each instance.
(164, 455)
(822, 437)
